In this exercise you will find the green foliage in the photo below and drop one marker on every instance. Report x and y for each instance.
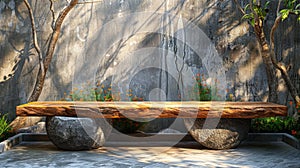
(4, 128)
(256, 11)
(100, 92)
(291, 7)
(284, 13)
(88, 92)
(249, 17)
(260, 11)
(103, 95)
(202, 91)
(276, 125)
(290, 4)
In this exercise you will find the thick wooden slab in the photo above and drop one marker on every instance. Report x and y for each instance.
(188, 109)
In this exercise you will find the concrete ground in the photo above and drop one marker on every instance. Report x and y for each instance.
(186, 154)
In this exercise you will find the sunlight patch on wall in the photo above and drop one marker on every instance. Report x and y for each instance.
(281, 86)
(248, 70)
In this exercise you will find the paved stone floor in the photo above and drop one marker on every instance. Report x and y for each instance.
(187, 154)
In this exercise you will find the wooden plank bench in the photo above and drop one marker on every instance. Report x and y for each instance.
(194, 114)
(188, 109)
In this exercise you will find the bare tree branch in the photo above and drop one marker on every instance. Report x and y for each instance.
(34, 36)
(56, 32)
(52, 13)
(239, 7)
(279, 65)
(278, 8)
(50, 50)
(272, 33)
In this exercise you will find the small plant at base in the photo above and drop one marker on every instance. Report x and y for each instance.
(4, 128)
(87, 92)
(276, 125)
(202, 91)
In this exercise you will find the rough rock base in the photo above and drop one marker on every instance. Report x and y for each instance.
(218, 134)
(71, 133)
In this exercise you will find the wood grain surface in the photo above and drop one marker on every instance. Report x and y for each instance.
(185, 109)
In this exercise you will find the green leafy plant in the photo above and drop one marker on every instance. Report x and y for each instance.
(202, 91)
(261, 11)
(100, 92)
(4, 128)
(276, 125)
(89, 92)
(256, 10)
(291, 7)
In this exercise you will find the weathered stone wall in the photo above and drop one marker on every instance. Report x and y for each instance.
(94, 29)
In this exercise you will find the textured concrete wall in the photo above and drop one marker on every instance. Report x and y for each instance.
(96, 42)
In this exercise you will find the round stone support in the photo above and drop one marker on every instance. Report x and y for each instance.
(218, 133)
(72, 133)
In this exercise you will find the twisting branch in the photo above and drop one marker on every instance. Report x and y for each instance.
(272, 33)
(265, 48)
(279, 65)
(239, 7)
(50, 50)
(278, 8)
(52, 13)
(34, 36)
(56, 32)
(268, 51)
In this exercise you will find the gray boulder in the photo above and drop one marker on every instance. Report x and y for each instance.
(218, 134)
(71, 133)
